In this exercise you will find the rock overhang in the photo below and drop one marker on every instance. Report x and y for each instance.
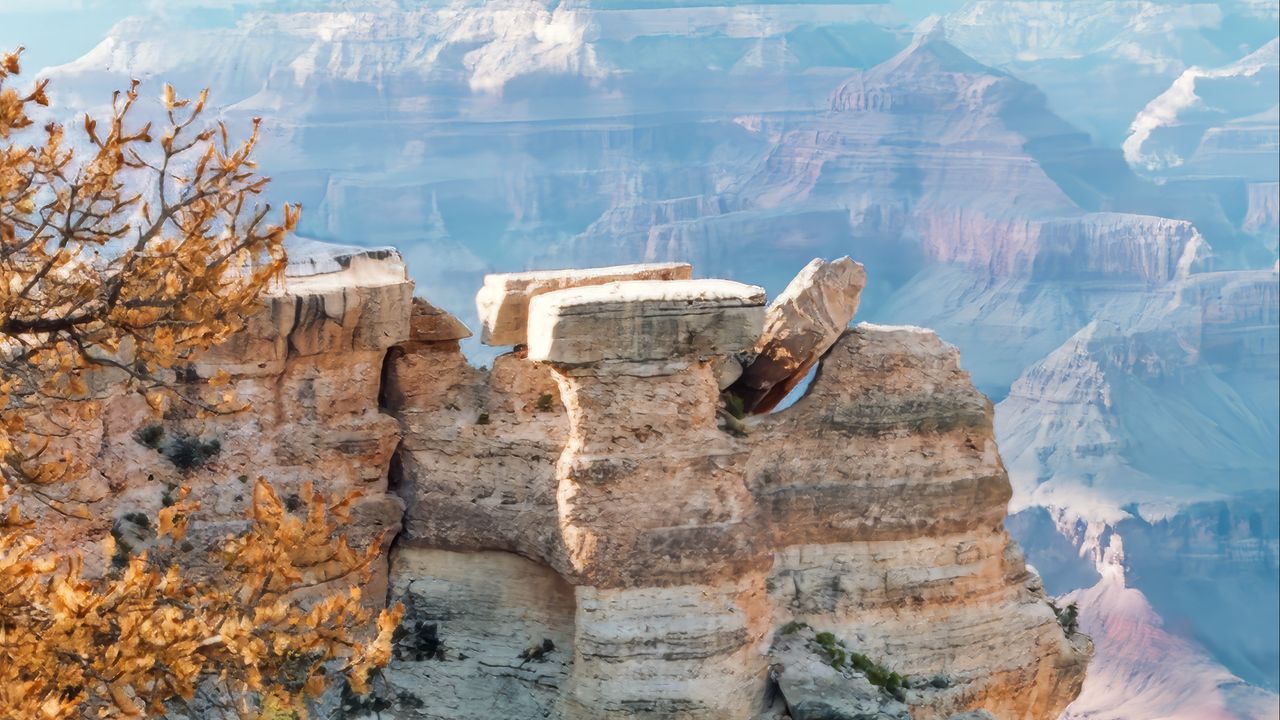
(644, 321)
(503, 300)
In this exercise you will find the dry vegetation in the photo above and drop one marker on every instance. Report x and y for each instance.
(121, 256)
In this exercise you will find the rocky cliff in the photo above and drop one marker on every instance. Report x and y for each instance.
(590, 529)
(306, 371)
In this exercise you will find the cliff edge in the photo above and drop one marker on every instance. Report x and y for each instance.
(607, 523)
(592, 531)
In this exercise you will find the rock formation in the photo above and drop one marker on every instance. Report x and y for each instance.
(588, 533)
(308, 368)
(586, 509)
(503, 301)
(800, 326)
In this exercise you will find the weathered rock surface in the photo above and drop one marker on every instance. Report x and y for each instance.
(580, 537)
(885, 495)
(871, 509)
(503, 301)
(801, 324)
(489, 630)
(645, 321)
(429, 323)
(309, 367)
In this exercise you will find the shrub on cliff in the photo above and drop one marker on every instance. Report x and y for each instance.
(186, 452)
(120, 259)
(1068, 617)
(841, 658)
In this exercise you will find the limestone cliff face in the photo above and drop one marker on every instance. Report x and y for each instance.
(308, 368)
(588, 529)
(884, 494)
(673, 551)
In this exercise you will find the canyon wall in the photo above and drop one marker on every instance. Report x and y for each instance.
(306, 371)
(1173, 573)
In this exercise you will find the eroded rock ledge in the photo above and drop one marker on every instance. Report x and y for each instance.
(588, 529)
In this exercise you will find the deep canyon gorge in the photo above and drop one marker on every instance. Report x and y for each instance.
(1082, 197)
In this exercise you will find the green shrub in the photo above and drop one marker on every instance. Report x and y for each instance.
(1070, 619)
(417, 639)
(187, 452)
(878, 675)
(120, 556)
(544, 402)
(734, 405)
(793, 627)
(149, 436)
(139, 519)
(537, 652)
(836, 656)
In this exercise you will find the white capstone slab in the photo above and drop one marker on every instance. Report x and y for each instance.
(645, 321)
(503, 300)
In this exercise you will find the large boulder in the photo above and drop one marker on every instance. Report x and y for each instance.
(801, 324)
(817, 688)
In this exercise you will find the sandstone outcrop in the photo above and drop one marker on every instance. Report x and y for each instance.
(309, 370)
(673, 553)
(583, 534)
(885, 495)
(648, 321)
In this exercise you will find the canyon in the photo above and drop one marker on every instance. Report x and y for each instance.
(1081, 196)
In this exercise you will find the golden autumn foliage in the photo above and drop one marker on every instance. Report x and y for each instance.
(122, 254)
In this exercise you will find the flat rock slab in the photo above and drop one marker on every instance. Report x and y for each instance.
(645, 321)
(503, 301)
(800, 325)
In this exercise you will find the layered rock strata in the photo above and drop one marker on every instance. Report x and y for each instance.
(307, 371)
(884, 496)
(503, 301)
(673, 552)
(582, 533)
(670, 583)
